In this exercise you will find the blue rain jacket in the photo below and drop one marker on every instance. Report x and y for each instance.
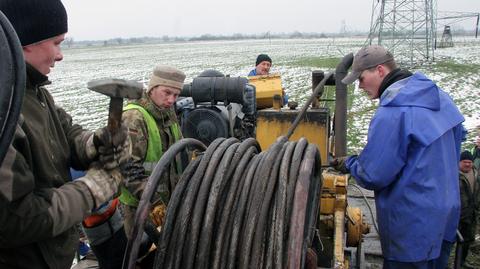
(411, 162)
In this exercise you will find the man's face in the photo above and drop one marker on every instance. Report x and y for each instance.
(43, 55)
(263, 68)
(370, 81)
(466, 166)
(164, 96)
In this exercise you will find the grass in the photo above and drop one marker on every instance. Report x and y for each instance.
(316, 62)
(449, 66)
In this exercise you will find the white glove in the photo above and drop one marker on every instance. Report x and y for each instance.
(103, 185)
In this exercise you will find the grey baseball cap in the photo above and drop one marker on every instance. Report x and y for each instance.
(366, 58)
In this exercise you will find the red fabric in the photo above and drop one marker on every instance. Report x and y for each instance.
(96, 219)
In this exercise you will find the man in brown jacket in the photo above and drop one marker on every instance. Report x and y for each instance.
(39, 204)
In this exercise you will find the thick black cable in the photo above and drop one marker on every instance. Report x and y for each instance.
(142, 212)
(243, 155)
(232, 212)
(12, 83)
(174, 203)
(200, 204)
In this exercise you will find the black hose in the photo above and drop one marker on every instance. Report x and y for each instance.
(133, 244)
(231, 209)
(187, 202)
(12, 83)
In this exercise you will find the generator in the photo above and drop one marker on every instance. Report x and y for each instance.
(214, 105)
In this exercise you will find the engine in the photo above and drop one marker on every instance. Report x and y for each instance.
(214, 105)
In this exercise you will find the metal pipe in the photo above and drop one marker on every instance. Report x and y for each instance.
(306, 105)
(341, 95)
(458, 251)
(476, 28)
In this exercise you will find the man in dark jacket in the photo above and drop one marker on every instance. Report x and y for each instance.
(470, 201)
(476, 153)
(262, 66)
(410, 161)
(39, 204)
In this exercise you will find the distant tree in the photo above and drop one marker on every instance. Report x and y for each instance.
(296, 34)
(68, 42)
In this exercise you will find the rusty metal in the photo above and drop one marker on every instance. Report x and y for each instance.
(356, 226)
(116, 89)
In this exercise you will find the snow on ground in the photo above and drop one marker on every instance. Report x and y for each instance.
(237, 58)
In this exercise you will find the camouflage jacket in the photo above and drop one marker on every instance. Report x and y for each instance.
(470, 199)
(137, 129)
(39, 206)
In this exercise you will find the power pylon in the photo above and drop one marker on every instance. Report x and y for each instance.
(407, 28)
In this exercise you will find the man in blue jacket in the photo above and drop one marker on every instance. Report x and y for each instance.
(410, 161)
(262, 66)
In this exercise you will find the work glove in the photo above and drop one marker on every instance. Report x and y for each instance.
(112, 151)
(133, 171)
(339, 164)
(102, 184)
(103, 223)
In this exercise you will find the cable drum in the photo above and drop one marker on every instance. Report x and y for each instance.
(237, 207)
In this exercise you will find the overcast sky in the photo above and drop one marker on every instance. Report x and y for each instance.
(105, 19)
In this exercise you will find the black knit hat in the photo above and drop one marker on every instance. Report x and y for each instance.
(466, 155)
(35, 20)
(261, 58)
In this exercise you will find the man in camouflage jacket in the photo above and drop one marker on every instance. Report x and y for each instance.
(153, 127)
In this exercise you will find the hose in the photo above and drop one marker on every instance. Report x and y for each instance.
(237, 207)
(12, 83)
(144, 205)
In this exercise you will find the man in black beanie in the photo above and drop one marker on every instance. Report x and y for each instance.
(39, 204)
(470, 200)
(262, 66)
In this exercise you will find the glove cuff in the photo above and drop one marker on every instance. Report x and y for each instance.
(101, 233)
(100, 215)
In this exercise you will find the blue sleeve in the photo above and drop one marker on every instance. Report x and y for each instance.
(385, 154)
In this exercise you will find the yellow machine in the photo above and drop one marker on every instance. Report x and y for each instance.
(223, 106)
(339, 225)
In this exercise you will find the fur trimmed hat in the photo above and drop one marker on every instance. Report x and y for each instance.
(166, 76)
(35, 20)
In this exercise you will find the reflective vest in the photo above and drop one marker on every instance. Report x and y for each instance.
(154, 150)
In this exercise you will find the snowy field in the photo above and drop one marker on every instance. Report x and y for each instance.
(457, 72)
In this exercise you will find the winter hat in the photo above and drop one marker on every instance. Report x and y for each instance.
(166, 76)
(466, 155)
(261, 58)
(35, 20)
